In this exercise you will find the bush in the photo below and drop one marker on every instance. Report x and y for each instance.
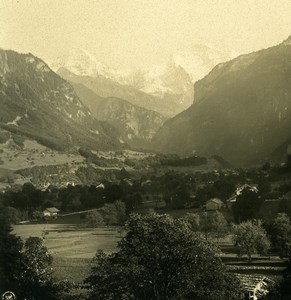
(94, 219)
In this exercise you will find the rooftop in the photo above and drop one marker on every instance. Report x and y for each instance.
(250, 282)
(52, 209)
(215, 200)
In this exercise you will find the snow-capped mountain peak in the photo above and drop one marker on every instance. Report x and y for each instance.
(174, 79)
(82, 63)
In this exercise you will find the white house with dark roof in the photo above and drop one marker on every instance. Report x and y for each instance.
(51, 212)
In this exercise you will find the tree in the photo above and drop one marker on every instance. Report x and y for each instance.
(161, 258)
(37, 215)
(285, 206)
(114, 214)
(193, 219)
(11, 214)
(280, 229)
(110, 214)
(213, 223)
(219, 224)
(180, 197)
(264, 187)
(36, 280)
(25, 267)
(205, 224)
(10, 256)
(94, 219)
(250, 238)
(113, 193)
(121, 212)
(247, 205)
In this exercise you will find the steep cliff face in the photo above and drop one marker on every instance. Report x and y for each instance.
(37, 103)
(241, 110)
(136, 125)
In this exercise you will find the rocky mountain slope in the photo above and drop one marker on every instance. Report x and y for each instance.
(241, 110)
(39, 104)
(167, 89)
(136, 125)
(106, 87)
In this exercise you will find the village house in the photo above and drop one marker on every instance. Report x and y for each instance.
(51, 212)
(239, 190)
(254, 287)
(214, 204)
(100, 186)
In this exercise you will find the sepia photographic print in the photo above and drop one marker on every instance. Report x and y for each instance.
(145, 149)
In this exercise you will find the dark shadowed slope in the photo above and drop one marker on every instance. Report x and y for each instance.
(36, 102)
(241, 110)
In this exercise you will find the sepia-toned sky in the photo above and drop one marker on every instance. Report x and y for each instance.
(137, 33)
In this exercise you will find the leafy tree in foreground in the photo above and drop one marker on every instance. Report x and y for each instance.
(36, 277)
(250, 238)
(161, 258)
(10, 256)
(25, 268)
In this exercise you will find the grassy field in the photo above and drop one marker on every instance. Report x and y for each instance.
(33, 154)
(72, 247)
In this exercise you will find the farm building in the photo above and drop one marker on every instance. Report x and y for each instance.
(214, 204)
(100, 186)
(253, 286)
(239, 190)
(51, 212)
(250, 187)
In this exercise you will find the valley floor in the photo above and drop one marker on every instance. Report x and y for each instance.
(73, 246)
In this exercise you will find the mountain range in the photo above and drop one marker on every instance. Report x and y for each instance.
(241, 110)
(167, 89)
(39, 104)
(106, 87)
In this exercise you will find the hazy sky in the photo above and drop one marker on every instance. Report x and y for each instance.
(137, 33)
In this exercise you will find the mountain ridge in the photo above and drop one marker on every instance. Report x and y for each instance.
(167, 88)
(241, 110)
(136, 124)
(39, 104)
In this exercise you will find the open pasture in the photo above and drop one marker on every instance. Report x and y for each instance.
(71, 246)
(34, 154)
